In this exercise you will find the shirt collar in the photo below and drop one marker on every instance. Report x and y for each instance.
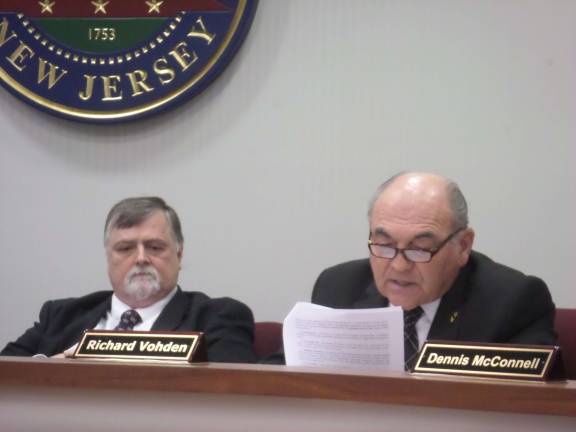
(118, 307)
(430, 309)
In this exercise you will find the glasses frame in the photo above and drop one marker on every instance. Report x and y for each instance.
(433, 251)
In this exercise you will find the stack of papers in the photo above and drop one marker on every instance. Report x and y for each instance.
(344, 338)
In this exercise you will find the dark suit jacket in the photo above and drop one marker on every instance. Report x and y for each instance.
(227, 324)
(491, 302)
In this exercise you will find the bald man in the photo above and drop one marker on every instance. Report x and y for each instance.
(421, 259)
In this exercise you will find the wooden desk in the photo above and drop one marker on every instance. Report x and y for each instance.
(63, 395)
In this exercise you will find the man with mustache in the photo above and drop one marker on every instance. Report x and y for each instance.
(421, 259)
(143, 241)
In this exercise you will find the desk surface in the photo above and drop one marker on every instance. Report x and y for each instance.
(553, 398)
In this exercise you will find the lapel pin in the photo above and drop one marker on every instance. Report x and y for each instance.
(453, 317)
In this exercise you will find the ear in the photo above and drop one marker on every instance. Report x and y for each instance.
(180, 252)
(465, 242)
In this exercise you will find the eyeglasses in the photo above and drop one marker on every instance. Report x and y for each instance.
(413, 255)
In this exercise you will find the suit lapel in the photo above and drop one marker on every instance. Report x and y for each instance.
(88, 319)
(446, 324)
(171, 317)
(99, 313)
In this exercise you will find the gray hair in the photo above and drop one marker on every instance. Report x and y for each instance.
(133, 211)
(456, 200)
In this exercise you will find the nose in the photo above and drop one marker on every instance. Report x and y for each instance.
(141, 255)
(400, 263)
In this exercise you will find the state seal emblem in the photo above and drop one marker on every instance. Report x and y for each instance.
(108, 61)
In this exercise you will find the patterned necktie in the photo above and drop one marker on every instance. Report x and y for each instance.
(128, 320)
(411, 317)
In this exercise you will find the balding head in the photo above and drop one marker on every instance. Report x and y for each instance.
(426, 187)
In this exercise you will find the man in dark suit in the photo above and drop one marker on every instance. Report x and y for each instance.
(421, 259)
(143, 241)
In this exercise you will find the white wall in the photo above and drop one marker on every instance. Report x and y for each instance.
(270, 169)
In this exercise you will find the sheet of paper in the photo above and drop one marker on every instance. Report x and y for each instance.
(344, 338)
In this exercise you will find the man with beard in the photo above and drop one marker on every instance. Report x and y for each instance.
(143, 241)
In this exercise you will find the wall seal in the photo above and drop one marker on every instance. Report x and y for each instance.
(108, 61)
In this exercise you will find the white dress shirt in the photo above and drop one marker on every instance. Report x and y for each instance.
(117, 308)
(148, 314)
(424, 324)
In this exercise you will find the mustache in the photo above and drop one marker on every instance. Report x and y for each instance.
(142, 271)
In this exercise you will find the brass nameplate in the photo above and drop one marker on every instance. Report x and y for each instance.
(528, 362)
(133, 345)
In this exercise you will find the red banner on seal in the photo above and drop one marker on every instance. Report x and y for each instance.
(108, 8)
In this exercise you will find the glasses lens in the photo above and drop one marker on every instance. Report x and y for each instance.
(382, 251)
(418, 255)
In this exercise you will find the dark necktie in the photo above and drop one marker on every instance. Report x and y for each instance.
(411, 317)
(128, 320)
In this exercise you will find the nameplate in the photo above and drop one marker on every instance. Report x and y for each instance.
(526, 362)
(138, 345)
